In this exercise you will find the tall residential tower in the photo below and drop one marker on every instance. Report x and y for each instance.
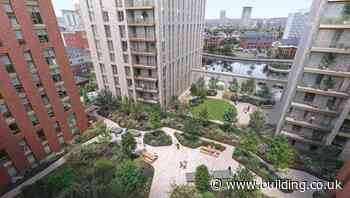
(40, 107)
(317, 100)
(246, 16)
(144, 49)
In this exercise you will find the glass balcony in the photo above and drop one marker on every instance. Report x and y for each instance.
(336, 14)
(138, 3)
(334, 39)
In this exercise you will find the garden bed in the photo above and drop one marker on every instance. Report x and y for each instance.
(255, 165)
(90, 170)
(198, 143)
(157, 138)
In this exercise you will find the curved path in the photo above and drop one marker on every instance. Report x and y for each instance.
(168, 171)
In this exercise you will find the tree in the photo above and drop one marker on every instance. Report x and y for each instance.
(128, 143)
(248, 87)
(184, 191)
(230, 116)
(199, 88)
(154, 120)
(250, 141)
(107, 102)
(202, 178)
(194, 89)
(213, 83)
(264, 92)
(128, 179)
(234, 86)
(257, 120)
(279, 153)
(191, 129)
(243, 174)
(204, 116)
(104, 170)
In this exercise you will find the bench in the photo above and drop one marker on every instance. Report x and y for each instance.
(209, 151)
(148, 157)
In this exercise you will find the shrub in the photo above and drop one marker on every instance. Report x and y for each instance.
(184, 191)
(157, 138)
(280, 153)
(154, 120)
(128, 178)
(128, 143)
(257, 120)
(202, 178)
(230, 115)
(188, 143)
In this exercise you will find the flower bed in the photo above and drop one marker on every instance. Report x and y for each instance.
(198, 143)
(157, 138)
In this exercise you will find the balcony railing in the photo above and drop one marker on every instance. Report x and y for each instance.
(130, 4)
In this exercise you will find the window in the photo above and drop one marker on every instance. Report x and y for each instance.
(108, 31)
(5, 60)
(45, 99)
(115, 69)
(50, 56)
(116, 80)
(57, 127)
(57, 78)
(112, 57)
(34, 119)
(110, 45)
(41, 135)
(14, 128)
(4, 157)
(120, 16)
(42, 36)
(125, 45)
(24, 145)
(105, 16)
(309, 97)
(35, 14)
(67, 105)
(102, 68)
(72, 120)
(126, 58)
(19, 37)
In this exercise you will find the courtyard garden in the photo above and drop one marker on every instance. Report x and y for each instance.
(100, 169)
(257, 138)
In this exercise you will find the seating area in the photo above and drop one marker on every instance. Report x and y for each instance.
(149, 157)
(209, 151)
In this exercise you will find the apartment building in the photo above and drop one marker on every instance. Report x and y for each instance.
(316, 104)
(295, 26)
(40, 107)
(144, 49)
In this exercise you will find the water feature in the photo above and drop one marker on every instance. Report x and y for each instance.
(257, 70)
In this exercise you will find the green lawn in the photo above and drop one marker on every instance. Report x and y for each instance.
(215, 108)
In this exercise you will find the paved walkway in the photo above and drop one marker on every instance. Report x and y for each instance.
(168, 171)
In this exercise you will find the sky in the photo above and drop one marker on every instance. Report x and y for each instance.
(261, 8)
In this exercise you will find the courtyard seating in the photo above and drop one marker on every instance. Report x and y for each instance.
(149, 157)
(209, 151)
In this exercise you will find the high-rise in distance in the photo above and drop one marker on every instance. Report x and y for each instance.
(316, 103)
(40, 108)
(144, 49)
(246, 16)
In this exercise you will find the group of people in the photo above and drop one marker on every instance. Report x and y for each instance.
(247, 109)
(183, 164)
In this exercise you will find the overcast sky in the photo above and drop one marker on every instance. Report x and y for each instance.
(261, 8)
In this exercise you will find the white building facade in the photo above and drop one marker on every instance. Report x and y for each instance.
(316, 104)
(144, 49)
(296, 24)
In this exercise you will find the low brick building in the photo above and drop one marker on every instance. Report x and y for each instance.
(76, 39)
(257, 40)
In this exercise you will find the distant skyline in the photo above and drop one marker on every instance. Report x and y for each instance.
(261, 8)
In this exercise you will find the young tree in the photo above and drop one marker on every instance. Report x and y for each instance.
(230, 116)
(280, 153)
(191, 129)
(202, 178)
(234, 86)
(250, 141)
(213, 83)
(128, 179)
(128, 143)
(194, 89)
(257, 120)
(154, 120)
(204, 116)
(265, 92)
(248, 87)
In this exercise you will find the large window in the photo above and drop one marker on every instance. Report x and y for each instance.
(5, 60)
(35, 14)
(50, 57)
(42, 36)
